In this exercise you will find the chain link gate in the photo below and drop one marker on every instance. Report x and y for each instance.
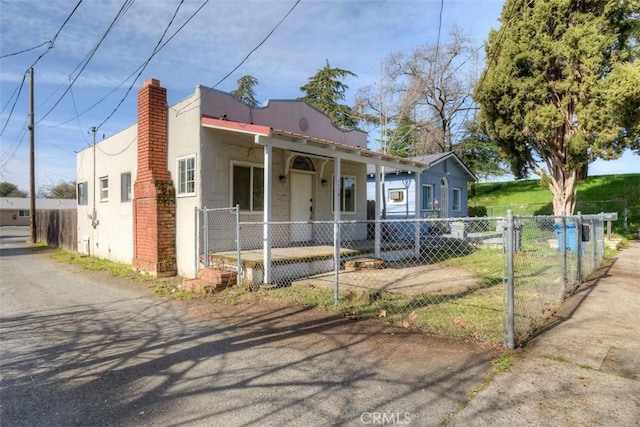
(217, 231)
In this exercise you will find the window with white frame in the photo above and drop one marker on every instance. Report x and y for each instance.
(347, 194)
(104, 189)
(83, 198)
(247, 187)
(397, 196)
(187, 175)
(456, 199)
(427, 197)
(24, 213)
(125, 187)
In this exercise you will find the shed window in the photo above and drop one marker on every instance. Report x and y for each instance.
(456, 199)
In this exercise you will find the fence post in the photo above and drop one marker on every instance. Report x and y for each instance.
(594, 245)
(579, 249)
(626, 217)
(239, 280)
(336, 261)
(511, 335)
(205, 240)
(564, 255)
(196, 243)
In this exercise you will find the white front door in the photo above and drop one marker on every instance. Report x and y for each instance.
(444, 198)
(301, 206)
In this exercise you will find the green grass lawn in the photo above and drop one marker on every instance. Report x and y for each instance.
(607, 193)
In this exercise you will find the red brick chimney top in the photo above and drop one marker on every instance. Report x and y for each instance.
(151, 82)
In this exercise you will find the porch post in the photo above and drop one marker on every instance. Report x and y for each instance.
(418, 205)
(336, 226)
(266, 244)
(377, 215)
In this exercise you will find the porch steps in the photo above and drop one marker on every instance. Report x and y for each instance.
(210, 280)
(364, 264)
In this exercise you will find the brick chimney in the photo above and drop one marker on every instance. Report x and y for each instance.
(154, 201)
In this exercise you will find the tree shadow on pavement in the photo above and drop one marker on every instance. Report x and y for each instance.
(146, 361)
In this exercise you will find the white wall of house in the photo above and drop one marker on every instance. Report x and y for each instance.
(112, 236)
(184, 141)
(215, 152)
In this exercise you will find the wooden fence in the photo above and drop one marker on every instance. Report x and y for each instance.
(59, 228)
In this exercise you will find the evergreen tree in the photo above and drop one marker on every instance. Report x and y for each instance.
(245, 92)
(562, 87)
(325, 90)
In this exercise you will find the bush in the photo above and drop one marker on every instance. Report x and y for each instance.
(477, 211)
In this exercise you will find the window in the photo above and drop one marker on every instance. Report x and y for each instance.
(427, 197)
(82, 193)
(248, 187)
(104, 189)
(347, 194)
(187, 176)
(397, 195)
(125, 187)
(456, 199)
(23, 213)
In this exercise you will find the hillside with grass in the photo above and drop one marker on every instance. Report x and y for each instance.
(606, 193)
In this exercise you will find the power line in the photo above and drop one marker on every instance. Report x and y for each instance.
(75, 108)
(119, 152)
(134, 71)
(493, 56)
(52, 42)
(25, 50)
(24, 76)
(183, 109)
(435, 64)
(123, 10)
(144, 65)
(19, 140)
(49, 47)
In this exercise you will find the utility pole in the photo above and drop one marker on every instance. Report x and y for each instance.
(32, 165)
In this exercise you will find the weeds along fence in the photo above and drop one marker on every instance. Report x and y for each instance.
(491, 279)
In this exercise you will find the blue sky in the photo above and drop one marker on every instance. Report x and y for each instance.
(351, 34)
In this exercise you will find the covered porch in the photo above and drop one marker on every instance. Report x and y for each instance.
(331, 157)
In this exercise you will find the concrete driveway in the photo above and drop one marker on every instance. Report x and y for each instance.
(81, 348)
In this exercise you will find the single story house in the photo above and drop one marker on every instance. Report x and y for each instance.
(139, 189)
(17, 210)
(443, 188)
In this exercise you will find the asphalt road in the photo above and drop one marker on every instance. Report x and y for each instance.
(80, 348)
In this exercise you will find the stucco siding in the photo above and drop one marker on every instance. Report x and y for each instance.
(184, 134)
(112, 236)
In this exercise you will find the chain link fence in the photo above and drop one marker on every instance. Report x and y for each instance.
(628, 211)
(491, 279)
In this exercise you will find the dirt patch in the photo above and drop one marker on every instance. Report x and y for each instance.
(432, 278)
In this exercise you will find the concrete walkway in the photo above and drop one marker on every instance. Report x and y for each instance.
(583, 369)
